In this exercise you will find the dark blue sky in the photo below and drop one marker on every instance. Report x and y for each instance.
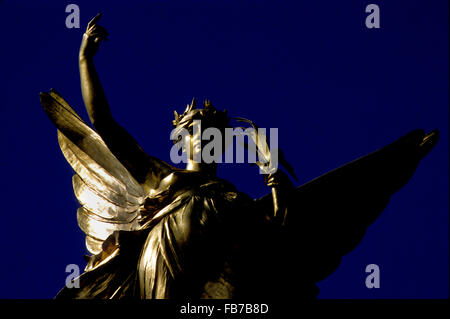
(335, 89)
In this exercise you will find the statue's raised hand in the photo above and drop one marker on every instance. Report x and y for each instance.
(92, 38)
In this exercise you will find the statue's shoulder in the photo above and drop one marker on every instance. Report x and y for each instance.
(191, 183)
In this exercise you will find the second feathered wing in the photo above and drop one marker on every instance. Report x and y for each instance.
(328, 216)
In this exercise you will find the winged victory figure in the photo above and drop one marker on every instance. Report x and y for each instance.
(155, 231)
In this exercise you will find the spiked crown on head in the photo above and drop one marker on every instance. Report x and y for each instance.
(209, 114)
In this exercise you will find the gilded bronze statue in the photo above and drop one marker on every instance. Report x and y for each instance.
(156, 231)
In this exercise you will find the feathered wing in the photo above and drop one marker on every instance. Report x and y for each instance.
(328, 216)
(110, 197)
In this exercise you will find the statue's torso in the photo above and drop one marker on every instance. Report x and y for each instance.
(194, 226)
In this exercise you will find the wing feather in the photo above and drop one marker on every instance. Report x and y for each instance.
(100, 228)
(95, 175)
(100, 204)
(93, 245)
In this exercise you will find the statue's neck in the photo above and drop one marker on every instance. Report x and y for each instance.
(208, 169)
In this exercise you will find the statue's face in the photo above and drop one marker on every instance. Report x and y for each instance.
(193, 141)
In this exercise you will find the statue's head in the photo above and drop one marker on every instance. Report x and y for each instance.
(208, 117)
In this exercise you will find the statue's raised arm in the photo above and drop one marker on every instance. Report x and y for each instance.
(148, 171)
(113, 174)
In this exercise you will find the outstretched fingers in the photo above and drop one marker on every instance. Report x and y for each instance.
(94, 21)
